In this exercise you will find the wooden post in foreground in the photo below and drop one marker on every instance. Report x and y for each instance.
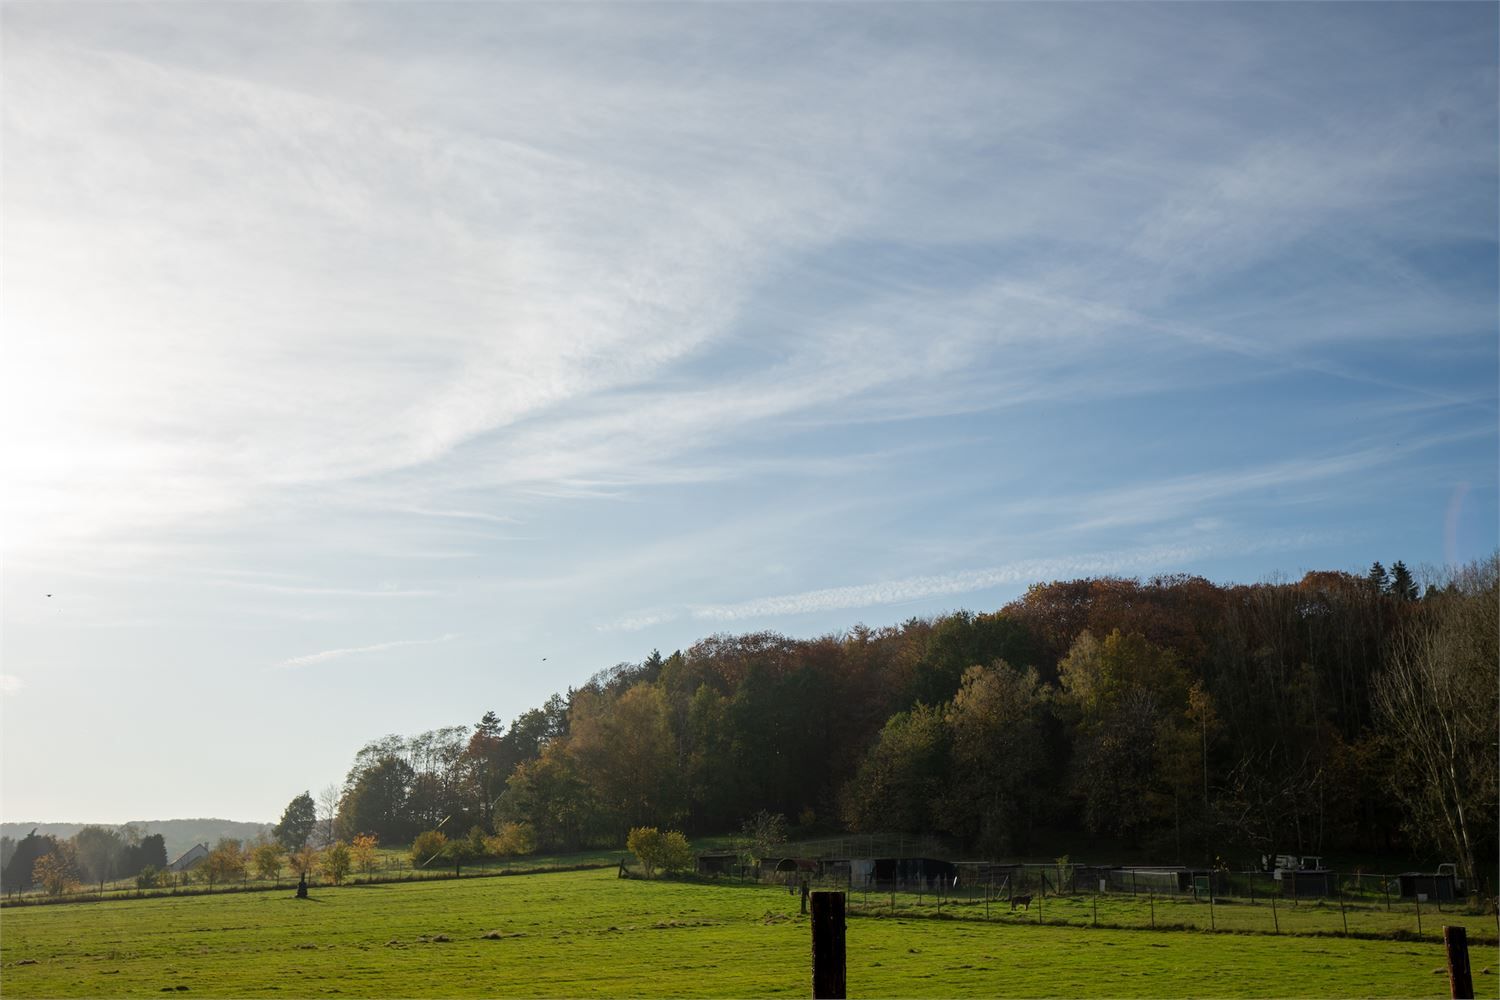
(828, 945)
(1460, 978)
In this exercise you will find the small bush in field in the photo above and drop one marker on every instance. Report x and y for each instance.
(428, 845)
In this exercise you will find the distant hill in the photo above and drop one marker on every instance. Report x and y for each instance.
(179, 834)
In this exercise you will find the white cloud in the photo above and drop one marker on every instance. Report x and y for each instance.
(10, 684)
(312, 277)
(1163, 558)
(335, 654)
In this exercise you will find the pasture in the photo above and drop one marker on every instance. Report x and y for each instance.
(588, 933)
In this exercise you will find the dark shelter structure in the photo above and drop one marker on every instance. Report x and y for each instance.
(913, 873)
(1430, 885)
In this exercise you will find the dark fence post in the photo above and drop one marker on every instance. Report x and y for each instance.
(828, 945)
(1460, 978)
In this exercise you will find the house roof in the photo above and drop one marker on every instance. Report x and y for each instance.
(189, 857)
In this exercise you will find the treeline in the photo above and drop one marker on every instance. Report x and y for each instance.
(1339, 712)
(179, 834)
(94, 854)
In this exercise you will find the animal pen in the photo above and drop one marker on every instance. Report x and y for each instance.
(1160, 897)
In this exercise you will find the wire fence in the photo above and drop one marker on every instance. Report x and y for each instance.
(1354, 904)
(194, 882)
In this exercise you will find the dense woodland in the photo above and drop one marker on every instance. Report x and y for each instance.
(1336, 713)
(1190, 721)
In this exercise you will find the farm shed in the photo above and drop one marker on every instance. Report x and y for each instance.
(1087, 878)
(1308, 883)
(1171, 879)
(977, 873)
(794, 866)
(1430, 885)
(909, 872)
(855, 871)
(719, 863)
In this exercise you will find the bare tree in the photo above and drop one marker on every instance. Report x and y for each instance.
(328, 810)
(1437, 700)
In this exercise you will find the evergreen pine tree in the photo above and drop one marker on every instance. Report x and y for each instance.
(1379, 579)
(1402, 587)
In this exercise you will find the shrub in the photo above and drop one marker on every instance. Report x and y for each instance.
(677, 853)
(669, 851)
(148, 878)
(336, 861)
(511, 840)
(428, 845)
(269, 858)
(645, 842)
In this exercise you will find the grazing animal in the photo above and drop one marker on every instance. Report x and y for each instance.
(1025, 901)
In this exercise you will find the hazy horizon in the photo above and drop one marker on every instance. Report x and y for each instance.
(369, 367)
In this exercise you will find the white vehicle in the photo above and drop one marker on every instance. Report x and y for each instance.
(1451, 870)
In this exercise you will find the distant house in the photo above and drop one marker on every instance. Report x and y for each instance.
(190, 858)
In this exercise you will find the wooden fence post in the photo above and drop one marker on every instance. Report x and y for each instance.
(1460, 978)
(828, 945)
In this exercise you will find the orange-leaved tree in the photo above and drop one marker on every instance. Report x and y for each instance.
(363, 850)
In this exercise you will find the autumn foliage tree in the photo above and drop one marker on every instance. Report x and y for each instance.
(511, 840)
(268, 858)
(362, 849)
(304, 861)
(224, 863)
(57, 871)
(999, 756)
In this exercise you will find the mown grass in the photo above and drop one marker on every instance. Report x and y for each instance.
(591, 934)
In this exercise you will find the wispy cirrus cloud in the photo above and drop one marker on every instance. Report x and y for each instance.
(1162, 558)
(689, 314)
(326, 655)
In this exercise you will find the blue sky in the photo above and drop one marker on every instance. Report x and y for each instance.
(358, 358)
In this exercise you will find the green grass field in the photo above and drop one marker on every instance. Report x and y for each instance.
(590, 934)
